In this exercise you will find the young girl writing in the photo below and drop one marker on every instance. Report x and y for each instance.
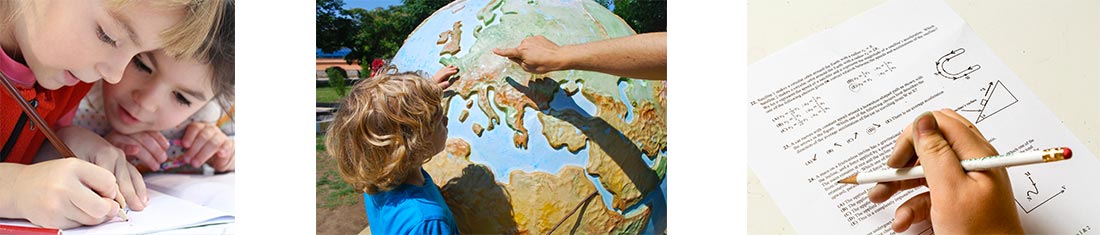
(52, 50)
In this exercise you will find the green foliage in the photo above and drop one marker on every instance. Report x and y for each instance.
(334, 29)
(380, 32)
(370, 33)
(337, 78)
(643, 15)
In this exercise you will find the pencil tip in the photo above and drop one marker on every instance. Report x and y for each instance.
(849, 180)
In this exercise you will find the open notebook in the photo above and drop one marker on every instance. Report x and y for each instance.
(175, 202)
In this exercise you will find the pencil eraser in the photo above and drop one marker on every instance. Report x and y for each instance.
(1068, 153)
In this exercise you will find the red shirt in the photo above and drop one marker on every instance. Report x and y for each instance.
(19, 138)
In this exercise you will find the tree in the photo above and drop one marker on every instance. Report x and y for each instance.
(643, 15)
(382, 31)
(337, 78)
(334, 28)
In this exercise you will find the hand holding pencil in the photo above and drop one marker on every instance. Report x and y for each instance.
(85, 195)
(976, 202)
(61, 193)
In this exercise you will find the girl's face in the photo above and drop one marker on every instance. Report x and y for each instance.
(65, 42)
(157, 92)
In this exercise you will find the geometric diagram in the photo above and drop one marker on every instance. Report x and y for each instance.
(1034, 191)
(997, 97)
(800, 114)
(965, 73)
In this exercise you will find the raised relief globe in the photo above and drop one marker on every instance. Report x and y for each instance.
(526, 150)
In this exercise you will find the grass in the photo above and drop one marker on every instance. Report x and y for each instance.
(332, 191)
(327, 94)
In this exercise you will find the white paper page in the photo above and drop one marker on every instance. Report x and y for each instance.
(216, 191)
(163, 213)
(833, 104)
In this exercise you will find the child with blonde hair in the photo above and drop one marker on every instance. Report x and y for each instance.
(51, 52)
(384, 131)
(164, 114)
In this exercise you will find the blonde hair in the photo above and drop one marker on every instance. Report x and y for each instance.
(187, 38)
(381, 132)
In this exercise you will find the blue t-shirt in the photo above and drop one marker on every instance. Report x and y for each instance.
(410, 209)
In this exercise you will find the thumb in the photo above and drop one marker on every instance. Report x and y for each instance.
(941, 164)
(506, 52)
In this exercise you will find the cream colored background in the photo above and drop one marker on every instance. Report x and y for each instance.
(1054, 46)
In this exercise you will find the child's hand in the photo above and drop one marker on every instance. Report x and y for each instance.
(204, 141)
(65, 193)
(150, 147)
(957, 202)
(92, 148)
(442, 77)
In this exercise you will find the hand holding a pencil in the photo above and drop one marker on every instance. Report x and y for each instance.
(85, 194)
(89, 146)
(957, 202)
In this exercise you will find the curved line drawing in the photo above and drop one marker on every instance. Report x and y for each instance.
(965, 73)
(1036, 192)
(1030, 192)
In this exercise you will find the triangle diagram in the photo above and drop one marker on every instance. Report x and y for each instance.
(998, 99)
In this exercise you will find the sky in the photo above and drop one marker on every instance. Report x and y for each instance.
(370, 4)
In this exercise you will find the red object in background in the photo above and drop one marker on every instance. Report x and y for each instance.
(375, 65)
(20, 230)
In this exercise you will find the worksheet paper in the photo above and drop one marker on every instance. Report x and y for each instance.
(176, 201)
(833, 104)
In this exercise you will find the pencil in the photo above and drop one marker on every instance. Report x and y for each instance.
(977, 164)
(47, 130)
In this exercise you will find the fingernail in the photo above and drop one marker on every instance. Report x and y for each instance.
(926, 123)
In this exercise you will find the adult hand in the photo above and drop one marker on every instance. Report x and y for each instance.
(65, 193)
(957, 202)
(205, 141)
(536, 55)
(149, 147)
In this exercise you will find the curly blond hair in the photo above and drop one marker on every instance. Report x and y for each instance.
(381, 133)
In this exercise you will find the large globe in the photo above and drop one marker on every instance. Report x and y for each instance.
(525, 150)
